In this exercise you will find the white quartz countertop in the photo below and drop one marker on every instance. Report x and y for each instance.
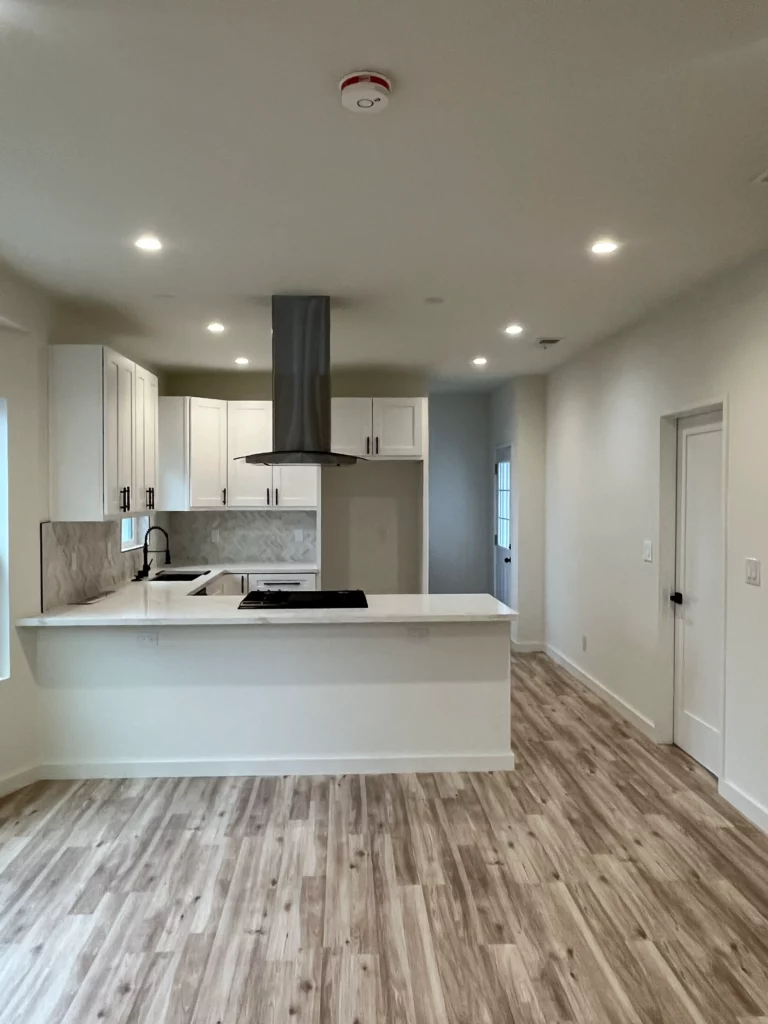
(174, 604)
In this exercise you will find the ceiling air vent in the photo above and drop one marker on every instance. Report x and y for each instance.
(546, 342)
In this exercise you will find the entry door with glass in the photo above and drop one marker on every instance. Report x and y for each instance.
(502, 560)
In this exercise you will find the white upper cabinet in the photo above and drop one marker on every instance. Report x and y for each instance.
(119, 399)
(296, 486)
(378, 428)
(351, 426)
(96, 472)
(201, 441)
(249, 431)
(397, 428)
(145, 441)
(207, 453)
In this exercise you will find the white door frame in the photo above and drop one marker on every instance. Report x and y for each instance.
(664, 732)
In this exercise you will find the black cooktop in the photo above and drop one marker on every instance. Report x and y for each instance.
(293, 599)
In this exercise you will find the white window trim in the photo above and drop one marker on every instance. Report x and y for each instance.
(137, 540)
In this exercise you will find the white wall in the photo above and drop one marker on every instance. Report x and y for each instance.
(460, 494)
(603, 497)
(518, 419)
(23, 372)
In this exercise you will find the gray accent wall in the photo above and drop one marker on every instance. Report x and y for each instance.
(460, 494)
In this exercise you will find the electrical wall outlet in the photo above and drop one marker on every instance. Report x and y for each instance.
(215, 536)
(146, 640)
(584, 642)
(417, 634)
(298, 536)
(647, 550)
(753, 572)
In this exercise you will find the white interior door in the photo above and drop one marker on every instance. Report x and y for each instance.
(296, 486)
(397, 428)
(502, 560)
(249, 430)
(700, 587)
(207, 453)
(352, 426)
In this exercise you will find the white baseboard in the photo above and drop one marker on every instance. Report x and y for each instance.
(645, 725)
(18, 780)
(748, 806)
(528, 646)
(395, 764)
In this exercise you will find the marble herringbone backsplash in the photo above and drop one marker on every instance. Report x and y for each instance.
(81, 560)
(242, 536)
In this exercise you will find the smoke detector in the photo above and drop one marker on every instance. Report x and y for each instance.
(365, 92)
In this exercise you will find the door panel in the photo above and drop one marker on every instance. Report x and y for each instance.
(295, 486)
(207, 452)
(249, 431)
(119, 378)
(397, 427)
(145, 440)
(700, 580)
(352, 426)
(502, 558)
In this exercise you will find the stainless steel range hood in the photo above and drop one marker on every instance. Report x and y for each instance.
(301, 384)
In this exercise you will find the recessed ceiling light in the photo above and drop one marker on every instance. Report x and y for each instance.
(479, 361)
(148, 243)
(513, 329)
(604, 247)
(241, 361)
(216, 327)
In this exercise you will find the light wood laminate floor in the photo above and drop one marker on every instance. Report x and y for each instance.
(604, 880)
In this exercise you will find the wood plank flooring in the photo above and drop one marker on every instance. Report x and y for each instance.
(603, 881)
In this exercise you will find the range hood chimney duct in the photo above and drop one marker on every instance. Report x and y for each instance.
(301, 384)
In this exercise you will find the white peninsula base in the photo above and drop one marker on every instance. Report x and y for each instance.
(265, 698)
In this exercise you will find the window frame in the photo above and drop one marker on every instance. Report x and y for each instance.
(140, 526)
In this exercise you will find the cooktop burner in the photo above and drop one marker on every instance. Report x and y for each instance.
(293, 599)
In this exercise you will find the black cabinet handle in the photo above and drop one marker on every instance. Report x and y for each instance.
(267, 495)
(676, 598)
(367, 446)
(377, 446)
(124, 506)
(277, 496)
(150, 498)
(224, 496)
(127, 499)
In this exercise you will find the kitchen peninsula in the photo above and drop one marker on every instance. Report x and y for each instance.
(159, 680)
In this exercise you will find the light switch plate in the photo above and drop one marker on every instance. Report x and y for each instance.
(753, 572)
(298, 536)
(647, 550)
(215, 535)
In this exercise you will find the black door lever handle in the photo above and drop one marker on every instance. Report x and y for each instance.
(676, 597)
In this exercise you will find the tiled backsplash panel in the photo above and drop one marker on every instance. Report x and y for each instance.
(81, 560)
(242, 536)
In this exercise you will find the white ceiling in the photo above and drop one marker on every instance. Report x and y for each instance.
(518, 131)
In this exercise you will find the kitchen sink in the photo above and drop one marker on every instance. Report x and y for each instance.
(170, 576)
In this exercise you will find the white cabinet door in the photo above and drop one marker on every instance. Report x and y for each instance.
(207, 453)
(249, 430)
(295, 486)
(231, 583)
(351, 426)
(145, 446)
(397, 428)
(119, 402)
